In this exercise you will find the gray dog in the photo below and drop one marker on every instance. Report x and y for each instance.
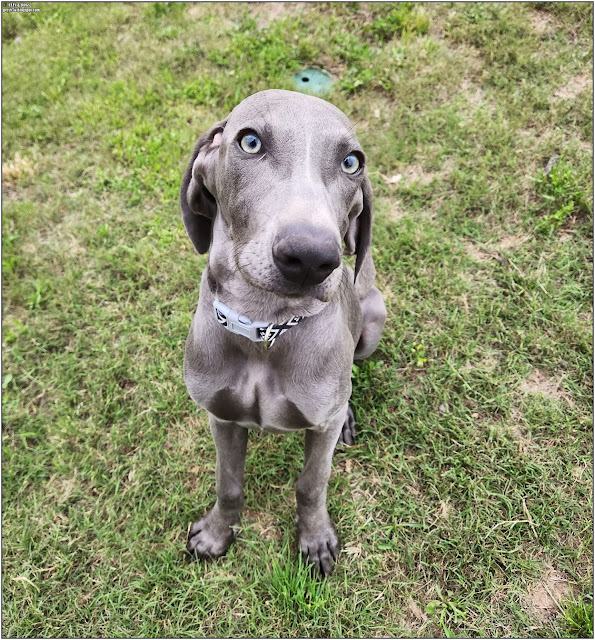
(276, 193)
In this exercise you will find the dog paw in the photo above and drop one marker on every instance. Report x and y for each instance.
(210, 537)
(347, 435)
(320, 550)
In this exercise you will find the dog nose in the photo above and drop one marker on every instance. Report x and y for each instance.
(306, 254)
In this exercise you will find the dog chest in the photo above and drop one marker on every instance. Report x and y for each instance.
(255, 397)
(259, 408)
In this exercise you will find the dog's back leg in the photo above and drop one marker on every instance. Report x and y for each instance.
(372, 307)
(373, 318)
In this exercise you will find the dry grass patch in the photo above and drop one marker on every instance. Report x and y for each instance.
(471, 56)
(392, 209)
(512, 241)
(574, 86)
(361, 495)
(477, 253)
(17, 169)
(266, 12)
(521, 438)
(539, 383)
(265, 525)
(488, 363)
(185, 436)
(473, 93)
(541, 23)
(219, 10)
(419, 616)
(417, 174)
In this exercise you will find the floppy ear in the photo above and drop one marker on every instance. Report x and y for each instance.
(197, 194)
(359, 234)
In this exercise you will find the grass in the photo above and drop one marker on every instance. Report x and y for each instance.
(579, 618)
(466, 506)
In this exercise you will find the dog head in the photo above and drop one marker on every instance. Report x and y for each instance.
(281, 186)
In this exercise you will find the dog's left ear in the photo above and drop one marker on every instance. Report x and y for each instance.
(198, 193)
(359, 234)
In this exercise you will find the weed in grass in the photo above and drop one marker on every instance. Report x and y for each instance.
(37, 297)
(418, 354)
(402, 19)
(563, 196)
(446, 609)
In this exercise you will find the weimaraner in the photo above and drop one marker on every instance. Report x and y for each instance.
(276, 193)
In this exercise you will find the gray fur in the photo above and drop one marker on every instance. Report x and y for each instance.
(234, 204)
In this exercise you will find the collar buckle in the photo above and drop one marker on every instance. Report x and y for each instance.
(236, 323)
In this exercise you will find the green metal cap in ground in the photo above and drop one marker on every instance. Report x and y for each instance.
(312, 80)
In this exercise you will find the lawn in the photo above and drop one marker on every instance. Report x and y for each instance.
(465, 507)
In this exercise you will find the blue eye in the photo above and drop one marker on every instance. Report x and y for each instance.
(351, 164)
(250, 143)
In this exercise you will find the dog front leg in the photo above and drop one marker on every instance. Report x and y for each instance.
(318, 540)
(211, 536)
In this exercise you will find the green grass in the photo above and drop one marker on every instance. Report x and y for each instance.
(579, 618)
(468, 497)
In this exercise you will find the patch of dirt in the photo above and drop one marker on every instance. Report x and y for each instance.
(526, 133)
(264, 524)
(415, 618)
(477, 253)
(443, 512)
(394, 211)
(414, 490)
(266, 12)
(473, 92)
(520, 436)
(10, 192)
(67, 486)
(478, 278)
(183, 439)
(194, 11)
(585, 146)
(470, 55)
(577, 472)
(511, 242)
(491, 252)
(538, 382)
(417, 174)
(219, 10)
(543, 598)
(487, 363)
(586, 317)
(541, 22)
(574, 86)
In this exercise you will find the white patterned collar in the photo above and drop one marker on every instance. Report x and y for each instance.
(264, 332)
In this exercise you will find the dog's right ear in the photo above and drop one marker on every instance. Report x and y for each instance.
(198, 192)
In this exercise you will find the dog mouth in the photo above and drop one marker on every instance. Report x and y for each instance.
(264, 276)
(296, 292)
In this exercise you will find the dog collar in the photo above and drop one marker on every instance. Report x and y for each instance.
(256, 331)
